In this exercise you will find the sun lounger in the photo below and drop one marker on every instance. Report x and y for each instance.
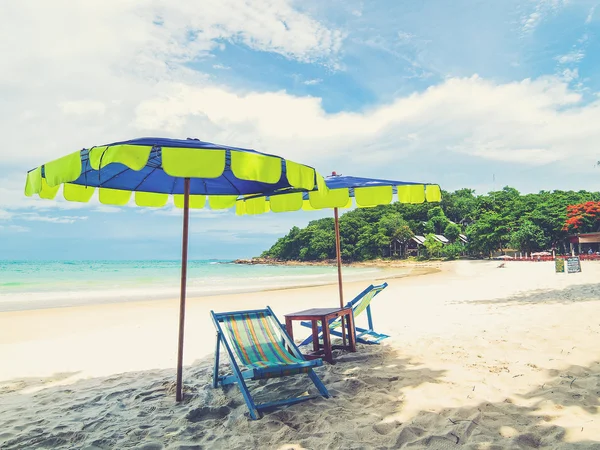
(256, 344)
(361, 303)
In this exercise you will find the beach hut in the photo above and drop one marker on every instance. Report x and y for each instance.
(396, 248)
(414, 245)
(191, 172)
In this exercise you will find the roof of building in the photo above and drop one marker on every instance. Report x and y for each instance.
(419, 239)
(441, 238)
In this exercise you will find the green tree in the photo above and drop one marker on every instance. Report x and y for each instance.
(453, 250)
(452, 231)
(488, 233)
(370, 243)
(491, 221)
(433, 247)
(529, 237)
(460, 206)
(436, 220)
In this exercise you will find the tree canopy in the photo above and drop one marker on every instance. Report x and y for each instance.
(493, 221)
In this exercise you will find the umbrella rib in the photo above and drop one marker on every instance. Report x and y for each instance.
(145, 178)
(173, 186)
(113, 177)
(232, 185)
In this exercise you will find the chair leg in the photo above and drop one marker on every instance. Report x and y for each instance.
(248, 398)
(216, 369)
(369, 318)
(318, 383)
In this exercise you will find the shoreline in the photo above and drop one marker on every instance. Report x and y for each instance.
(35, 301)
(381, 263)
(256, 261)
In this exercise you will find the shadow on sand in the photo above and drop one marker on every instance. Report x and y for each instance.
(137, 410)
(573, 294)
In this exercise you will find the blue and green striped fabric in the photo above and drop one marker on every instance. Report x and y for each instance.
(258, 345)
(358, 307)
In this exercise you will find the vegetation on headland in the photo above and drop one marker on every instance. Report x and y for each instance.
(497, 220)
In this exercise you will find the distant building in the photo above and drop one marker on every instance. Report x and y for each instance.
(414, 244)
(464, 239)
(583, 243)
(396, 248)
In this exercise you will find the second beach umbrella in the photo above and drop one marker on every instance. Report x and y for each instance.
(366, 192)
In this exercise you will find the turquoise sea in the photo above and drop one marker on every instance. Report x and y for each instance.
(51, 284)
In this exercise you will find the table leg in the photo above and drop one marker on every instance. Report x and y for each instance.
(290, 330)
(315, 335)
(351, 332)
(327, 342)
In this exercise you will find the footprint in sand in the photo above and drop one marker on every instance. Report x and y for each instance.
(198, 414)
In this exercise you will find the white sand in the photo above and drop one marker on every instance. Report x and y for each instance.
(480, 358)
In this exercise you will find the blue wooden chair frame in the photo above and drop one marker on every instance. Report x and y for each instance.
(360, 332)
(240, 376)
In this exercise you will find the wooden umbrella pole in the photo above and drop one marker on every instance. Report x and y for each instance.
(339, 268)
(184, 261)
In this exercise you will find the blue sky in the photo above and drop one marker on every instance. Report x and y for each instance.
(460, 93)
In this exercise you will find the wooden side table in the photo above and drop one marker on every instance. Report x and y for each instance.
(324, 315)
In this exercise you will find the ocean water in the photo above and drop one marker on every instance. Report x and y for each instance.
(50, 284)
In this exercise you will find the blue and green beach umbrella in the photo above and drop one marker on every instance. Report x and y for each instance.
(341, 189)
(366, 192)
(192, 172)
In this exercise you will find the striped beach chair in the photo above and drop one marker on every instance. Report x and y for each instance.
(361, 303)
(256, 345)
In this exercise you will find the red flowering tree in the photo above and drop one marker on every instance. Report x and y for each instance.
(583, 218)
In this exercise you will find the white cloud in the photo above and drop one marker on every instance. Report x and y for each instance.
(248, 226)
(104, 57)
(570, 74)
(313, 81)
(531, 22)
(165, 30)
(83, 107)
(13, 228)
(221, 67)
(573, 56)
(405, 36)
(5, 215)
(590, 15)
(36, 217)
(172, 210)
(541, 119)
(541, 9)
(107, 209)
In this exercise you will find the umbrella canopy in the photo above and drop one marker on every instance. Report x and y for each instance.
(340, 190)
(152, 169)
(367, 192)
(155, 168)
